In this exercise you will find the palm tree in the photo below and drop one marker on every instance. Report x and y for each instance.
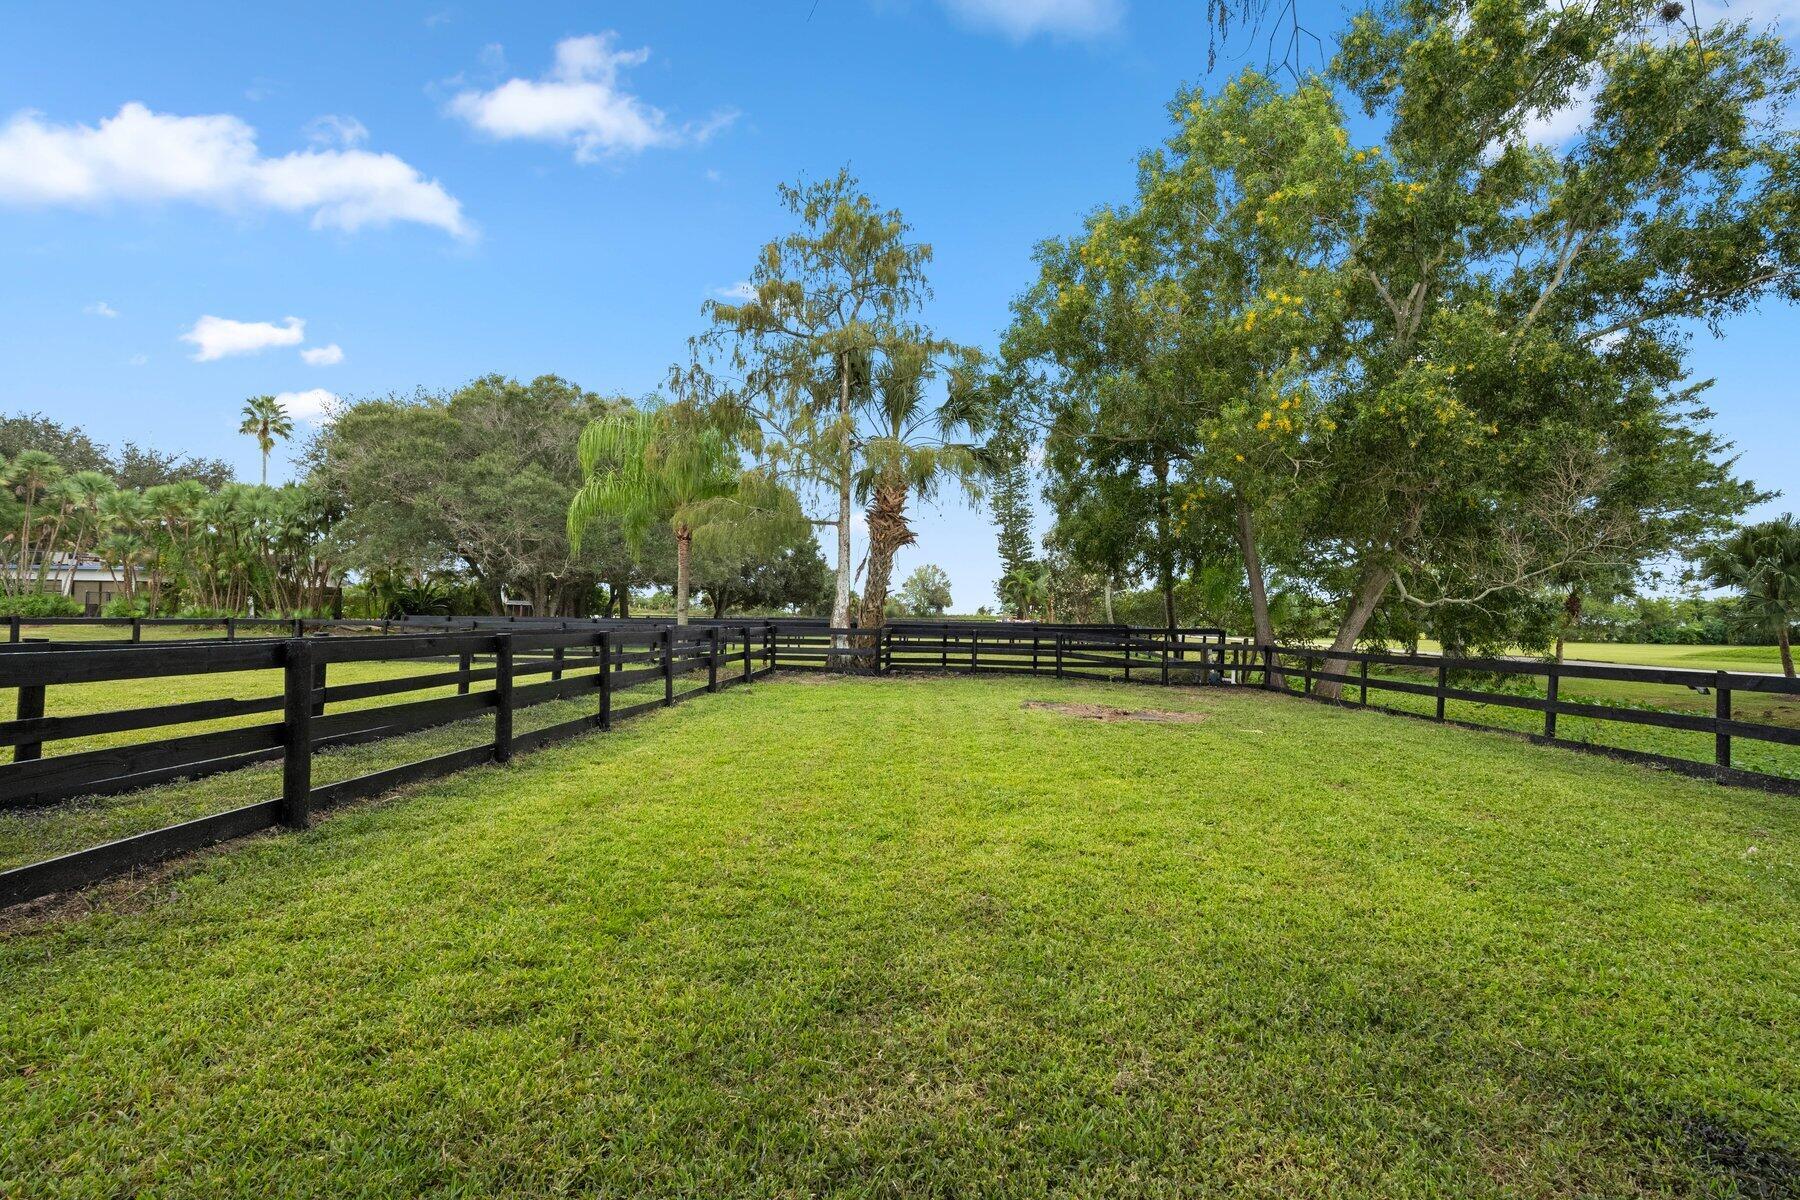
(1762, 562)
(909, 454)
(29, 474)
(267, 421)
(1025, 585)
(646, 467)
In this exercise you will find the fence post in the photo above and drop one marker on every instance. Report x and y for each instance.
(1034, 649)
(1552, 681)
(712, 660)
(1127, 645)
(137, 629)
(556, 664)
(463, 662)
(1059, 654)
(1442, 681)
(12, 624)
(503, 697)
(31, 707)
(974, 651)
(1165, 659)
(1307, 684)
(299, 629)
(605, 645)
(1268, 657)
(296, 756)
(769, 641)
(668, 666)
(747, 669)
(1721, 715)
(1364, 672)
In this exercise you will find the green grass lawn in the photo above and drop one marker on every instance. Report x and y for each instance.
(905, 936)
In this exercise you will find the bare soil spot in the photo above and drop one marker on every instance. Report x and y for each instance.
(1100, 712)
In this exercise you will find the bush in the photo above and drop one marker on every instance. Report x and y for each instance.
(122, 606)
(39, 604)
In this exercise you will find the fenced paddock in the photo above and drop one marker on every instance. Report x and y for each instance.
(225, 696)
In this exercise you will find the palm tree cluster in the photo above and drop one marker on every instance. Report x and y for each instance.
(176, 547)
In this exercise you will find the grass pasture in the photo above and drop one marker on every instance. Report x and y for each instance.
(910, 937)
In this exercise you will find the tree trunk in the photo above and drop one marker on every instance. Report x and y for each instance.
(1571, 618)
(622, 593)
(888, 532)
(1368, 595)
(1109, 608)
(684, 552)
(1259, 596)
(845, 470)
(1165, 565)
(718, 603)
(1787, 649)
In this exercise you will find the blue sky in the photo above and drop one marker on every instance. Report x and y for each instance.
(371, 198)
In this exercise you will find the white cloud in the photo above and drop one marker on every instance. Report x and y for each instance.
(138, 360)
(221, 337)
(739, 291)
(581, 103)
(323, 356)
(311, 406)
(139, 156)
(1020, 19)
(100, 308)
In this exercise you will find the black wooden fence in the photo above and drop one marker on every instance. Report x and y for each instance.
(528, 667)
(498, 666)
(1441, 680)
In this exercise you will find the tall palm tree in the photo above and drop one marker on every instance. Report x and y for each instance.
(267, 421)
(28, 474)
(1762, 562)
(646, 467)
(909, 454)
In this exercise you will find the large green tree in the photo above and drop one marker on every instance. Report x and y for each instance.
(1515, 409)
(476, 481)
(789, 369)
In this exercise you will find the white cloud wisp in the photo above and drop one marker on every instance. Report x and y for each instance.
(144, 157)
(220, 337)
(581, 103)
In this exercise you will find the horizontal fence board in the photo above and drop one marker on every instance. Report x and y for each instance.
(340, 693)
(136, 662)
(32, 781)
(84, 867)
(632, 710)
(377, 782)
(560, 731)
(125, 720)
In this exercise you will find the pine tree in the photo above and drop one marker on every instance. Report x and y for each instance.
(1011, 507)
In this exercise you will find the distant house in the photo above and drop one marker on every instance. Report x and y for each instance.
(88, 581)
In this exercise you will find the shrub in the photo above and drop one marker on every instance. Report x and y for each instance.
(39, 604)
(123, 606)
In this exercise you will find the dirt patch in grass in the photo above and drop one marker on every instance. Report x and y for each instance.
(1101, 712)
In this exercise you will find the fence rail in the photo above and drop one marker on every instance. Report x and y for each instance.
(479, 667)
(529, 667)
